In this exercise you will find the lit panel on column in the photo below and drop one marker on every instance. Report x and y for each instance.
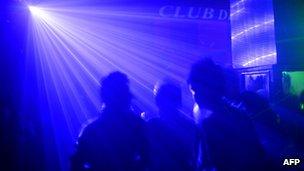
(252, 33)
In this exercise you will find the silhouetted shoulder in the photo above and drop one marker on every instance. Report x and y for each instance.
(154, 121)
(89, 132)
(136, 121)
(231, 137)
(90, 124)
(155, 124)
(240, 116)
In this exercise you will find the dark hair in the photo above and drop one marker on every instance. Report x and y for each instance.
(168, 92)
(206, 74)
(115, 87)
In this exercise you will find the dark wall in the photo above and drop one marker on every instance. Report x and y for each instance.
(12, 47)
(10, 67)
(20, 142)
(289, 25)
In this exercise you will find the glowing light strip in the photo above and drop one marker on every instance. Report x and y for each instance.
(251, 28)
(237, 3)
(259, 58)
(237, 12)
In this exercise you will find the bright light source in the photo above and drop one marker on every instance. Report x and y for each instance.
(35, 10)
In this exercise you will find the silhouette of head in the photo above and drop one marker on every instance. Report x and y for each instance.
(253, 102)
(115, 91)
(168, 95)
(207, 82)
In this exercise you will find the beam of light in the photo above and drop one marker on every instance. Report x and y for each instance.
(36, 11)
(75, 46)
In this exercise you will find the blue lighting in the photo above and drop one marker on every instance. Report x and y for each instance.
(252, 33)
(75, 45)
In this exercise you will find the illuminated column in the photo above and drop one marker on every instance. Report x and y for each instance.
(252, 33)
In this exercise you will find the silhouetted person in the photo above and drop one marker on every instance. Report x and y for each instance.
(229, 139)
(259, 109)
(173, 136)
(9, 137)
(116, 140)
(288, 99)
(267, 125)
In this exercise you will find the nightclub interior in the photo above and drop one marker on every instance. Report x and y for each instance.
(140, 85)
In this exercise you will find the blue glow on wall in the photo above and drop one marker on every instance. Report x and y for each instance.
(252, 33)
(73, 45)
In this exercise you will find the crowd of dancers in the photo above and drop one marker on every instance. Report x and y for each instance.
(244, 136)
